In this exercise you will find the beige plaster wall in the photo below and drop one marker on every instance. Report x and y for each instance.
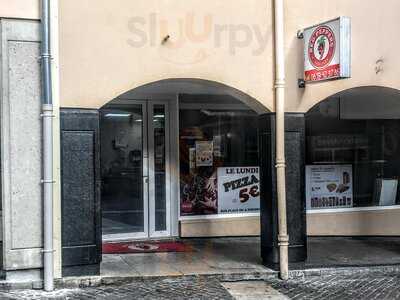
(20, 9)
(99, 62)
(361, 223)
(246, 226)
(356, 223)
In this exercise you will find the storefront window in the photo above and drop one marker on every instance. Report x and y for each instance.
(353, 155)
(218, 161)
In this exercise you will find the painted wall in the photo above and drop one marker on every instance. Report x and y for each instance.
(384, 222)
(20, 9)
(220, 227)
(108, 48)
(371, 222)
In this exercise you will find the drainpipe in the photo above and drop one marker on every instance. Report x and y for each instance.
(47, 119)
(283, 238)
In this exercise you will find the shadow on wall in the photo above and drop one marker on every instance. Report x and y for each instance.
(194, 86)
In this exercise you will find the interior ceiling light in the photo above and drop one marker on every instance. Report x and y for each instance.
(114, 115)
(212, 113)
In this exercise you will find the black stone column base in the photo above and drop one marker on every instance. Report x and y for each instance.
(297, 253)
(84, 270)
(295, 188)
(80, 192)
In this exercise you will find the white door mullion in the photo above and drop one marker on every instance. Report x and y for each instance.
(152, 194)
(145, 170)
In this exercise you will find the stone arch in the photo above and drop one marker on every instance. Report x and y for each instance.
(369, 92)
(194, 86)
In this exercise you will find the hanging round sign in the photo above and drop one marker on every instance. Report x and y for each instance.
(321, 47)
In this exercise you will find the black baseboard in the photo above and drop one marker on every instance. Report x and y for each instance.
(270, 255)
(84, 270)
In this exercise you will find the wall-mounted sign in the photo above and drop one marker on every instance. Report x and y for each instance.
(327, 50)
(238, 190)
(329, 186)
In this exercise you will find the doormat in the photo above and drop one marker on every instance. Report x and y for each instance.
(145, 247)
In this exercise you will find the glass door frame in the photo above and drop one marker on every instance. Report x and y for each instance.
(148, 173)
(151, 170)
(144, 234)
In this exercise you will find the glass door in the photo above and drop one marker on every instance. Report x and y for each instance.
(124, 171)
(135, 171)
(159, 196)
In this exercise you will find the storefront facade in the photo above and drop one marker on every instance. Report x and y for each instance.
(166, 125)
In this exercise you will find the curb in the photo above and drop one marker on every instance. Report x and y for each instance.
(95, 281)
(347, 271)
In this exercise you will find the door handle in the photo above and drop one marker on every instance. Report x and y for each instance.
(146, 179)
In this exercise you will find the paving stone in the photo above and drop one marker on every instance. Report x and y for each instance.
(179, 288)
(341, 287)
(253, 290)
(335, 286)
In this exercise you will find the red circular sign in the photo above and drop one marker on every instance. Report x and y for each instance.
(321, 47)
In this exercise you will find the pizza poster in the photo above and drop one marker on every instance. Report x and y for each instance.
(238, 190)
(329, 186)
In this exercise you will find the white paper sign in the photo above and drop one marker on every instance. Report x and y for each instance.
(204, 153)
(238, 190)
(192, 160)
(329, 186)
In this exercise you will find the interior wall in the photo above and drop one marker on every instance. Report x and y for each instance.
(370, 103)
(123, 132)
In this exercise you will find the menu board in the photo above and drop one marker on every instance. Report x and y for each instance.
(238, 190)
(329, 186)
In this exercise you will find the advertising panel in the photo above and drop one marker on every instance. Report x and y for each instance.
(238, 190)
(327, 50)
(329, 186)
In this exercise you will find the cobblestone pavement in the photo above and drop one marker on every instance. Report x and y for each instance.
(365, 286)
(341, 287)
(177, 288)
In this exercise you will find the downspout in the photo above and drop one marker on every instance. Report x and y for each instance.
(47, 118)
(283, 238)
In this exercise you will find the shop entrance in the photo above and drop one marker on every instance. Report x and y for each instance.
(135, 170)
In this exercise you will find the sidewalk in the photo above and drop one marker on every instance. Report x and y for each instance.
(340, 287)
(226, 256)
(230, 256)
(239, 259)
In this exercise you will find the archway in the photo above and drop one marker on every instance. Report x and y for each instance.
(168, 143)
(352, 171)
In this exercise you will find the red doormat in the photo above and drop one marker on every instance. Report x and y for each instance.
(145, 247)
